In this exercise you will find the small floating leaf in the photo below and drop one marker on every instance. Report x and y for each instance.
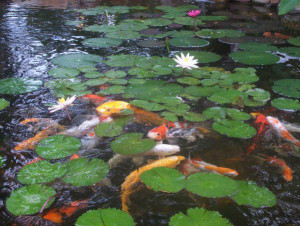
(255, 58)
(258, 47)
(29, 199)
(3, 103)
(189, 81)
(286, 104)
(102, 42)
(122, 60)
(147, 105)
(87, 69)
(113, 90)
(123, 35)
(93, 74)
(194, 117)
(96, 82)
(157, 22)
(76, 60)
(187, 21)
(287, 87)
(188, 42)
(219, 33)
(204, 57)
(63, 72)
(18, 85)
(170, 116)
(111, 129)
(291, 51)
(294, 41)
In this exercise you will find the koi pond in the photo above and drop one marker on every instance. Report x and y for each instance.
(148, 113)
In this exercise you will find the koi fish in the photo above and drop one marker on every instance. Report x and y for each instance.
(198, 165)
(34, 160)
(75, 156)
(281, 131)
(97, 100)
(128, 186)
(113, 107)
(57, 214)
(276, 35)
(104, 87)
(42, 123)
(261, 123)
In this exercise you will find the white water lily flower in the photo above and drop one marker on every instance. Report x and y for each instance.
(186, 61)
(62, 103)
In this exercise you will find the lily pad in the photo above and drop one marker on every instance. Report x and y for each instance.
(219, 33)
(151, 43)
(93, 74)
(294, 41)
(76, 60)
(105, 217)
(3, 103)
(233, 128)
(188, 42)
(250, 194)
(211, 185)
(258, 47)
(41, 172)
(194, 117)
(147, 105)
(111, 129)
(18, 85)
(187, 21)
(132, 25)
(225, 96)
(179, 109)
(221, 113)
(212, 18)
(63, 72)
(123, 35)
(290, 51)
(115, 74)
(170, 116)
(58, 146)
(96, 82)
(286, 104)
(117, 81)
(122, 60)
(204, 57)
(87, 69)
(189, 81)
(163, 179)
(85, 172)
(104, 28)
(255, 58)
(132, 144)
(199, 216)
(157, 22)
(29, 199)
(287, 87)
(113, 90)
(102, 42)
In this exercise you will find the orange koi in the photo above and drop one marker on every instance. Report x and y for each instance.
(97, 100)
(261, 123)
(104, 87)
(129, 185)
(276, 35)
(34, 160)
(24, 122)
(56, 215)
(75, 156)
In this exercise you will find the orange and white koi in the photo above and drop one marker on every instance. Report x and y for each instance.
(113, 107)
(198, 165)
(129, 185)
(261, 123)
(281, 131)
(95, 99)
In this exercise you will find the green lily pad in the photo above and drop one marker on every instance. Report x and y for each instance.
(111, 129)
(113, 90)
(170, 101)
(102, 42)
(250, 194)
(87, 69)
(182, 34)
(287, 87)
(85, 172)
(187, 21)
(105, 217)
(291, 51)
(151, 43)
(93, 74)
(123, 35)
(258, 94)
(76, 60)
(221, 113)
(157, 22)
(255, 58)
(163, 179)
(219, 33)
(258, 47)
(138, 7)
(233, 128)
(96, 82)
(136, 81)
(188, 81)
(204, 57)
(294, 41)
(170, 116)
(41, 172)
(179, 109)
(115, 74)
(3, 103)
(199, 216)
(58, 146)
(104, 28)
(1, 161)
(132, 144)
(132, 25)
(211, 185)
(122, 60)
(225, 96)
(212, 18)
(286, 104)
(188, 42)
(118, 9)
(147, 105)
(18, 85)
(194, 117)
(29, 199)
(63, 72)
(74, 22)
(117, 81)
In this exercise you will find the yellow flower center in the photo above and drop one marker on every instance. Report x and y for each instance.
(186, 59)
(61, 100)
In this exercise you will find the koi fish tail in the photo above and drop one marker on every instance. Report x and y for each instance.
(24, 122)
(144, 116)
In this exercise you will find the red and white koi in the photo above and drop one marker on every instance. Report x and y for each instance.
(95, 99)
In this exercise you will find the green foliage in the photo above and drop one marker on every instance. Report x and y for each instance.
(3, 103)
(286, 6)
(219, 33)
(102, 42)
(255, 58)
(286, 104)
(204, 57)
(147, 105)
(122, 60)
(258, 47)
(111, 129)
(188, 42)
(76, 60)
(63, 72)
(157, 22)
(222, 113)
(287, 87)
(18, 86)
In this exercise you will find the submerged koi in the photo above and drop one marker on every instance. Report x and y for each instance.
(278, 127)
(261, 123)
(113, 107)
(128, 186)
(97, 100)
(276, 35)
(34, 160)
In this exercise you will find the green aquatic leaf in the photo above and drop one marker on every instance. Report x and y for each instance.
(138, 7)
(113, 90)
(19, 86)
(188, 81)
(95, 82)
(219, 33)
(221, 113)
(115, 74)
(58, 146)
(179, 109)
(211, 185)
(291, 51)
(226, 96)
(286, 6)
(250, 194)
(1, 161)
(123, 60)
(147, 105)
(123, 35)
(286, 104)
(85, 172)
(287, 87)
(182, 34)
(199, 217)
(112, 129)
(232, 128)
(204, 57)
(87, 69)
(136, 81)
(170, 116)
(198, 91)
(102, 42)
(102, 28)
(74, 22)
(3, 103)
(163, 179)
(187, 21)
(151, 43)
(29, 199)
(76, 60)
(63, 72)
(132, 144)
(93, 74)
(132, 25)
(157, 22)
(296, 40)
(194, 117)
(212, 18)
(41, 172)
(117, 81)
(188, 42)
(104, 217)
(255, 58)
(258, 94)
(258, 47)
(118, 9)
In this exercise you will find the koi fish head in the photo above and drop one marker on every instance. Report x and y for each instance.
(158, 133)
(112, 107)
(287, 174)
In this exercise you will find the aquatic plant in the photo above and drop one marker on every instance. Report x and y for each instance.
(63, 103)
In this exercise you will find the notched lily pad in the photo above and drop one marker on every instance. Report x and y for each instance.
(18, 85)
(76, 60)
(255, 58)
(287, 87)
(286, 104)
(219, 33)
(102, 42)
(63, 72)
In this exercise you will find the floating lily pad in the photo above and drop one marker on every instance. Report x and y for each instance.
(3, 103)
(188, 42)
(132, 25)
(41, 172)
(212, 18)
(286, 104)
(233, 128)
(258, 47)
(111, 129)
(287, 87)
(74, 22)
(123, 60)
(115, 74)
(189, 81)
(102, 42)
(136, 81)
(105, 217)
(179, 109)
(157, 22)
(204, 57)
(199, 216)
(85, 172)
(225, 96)
(197, 91)
(151, 43)
(76, 60)
(294, 41)
(211, 185)
(93, 74)
(123, 35)
(132, 144)
(18, 85)
(102, 28)
(219, 33)
(250, 194)
(117, 81)
(147, 105)
(182, 34)
(194, 117)
(95, 82)
(187, 21)
(87, 69)
(29, 199)
(63, 72)
(255, 58)
(291, 51)
(258, 94)
(221, 113)
(170, 116)
(164, 179)
(113, 90)
(58, 146)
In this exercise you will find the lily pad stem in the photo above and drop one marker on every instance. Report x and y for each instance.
(66, 109)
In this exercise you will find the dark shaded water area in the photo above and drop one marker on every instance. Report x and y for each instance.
(34, 32)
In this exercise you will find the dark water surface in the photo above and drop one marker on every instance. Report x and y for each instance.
(34, 32)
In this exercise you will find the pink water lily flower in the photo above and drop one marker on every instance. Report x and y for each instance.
(194, 13)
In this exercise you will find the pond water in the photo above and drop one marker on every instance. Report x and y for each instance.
(34, 33)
